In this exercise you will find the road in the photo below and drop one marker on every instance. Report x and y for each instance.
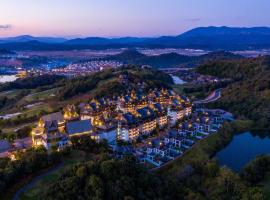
(214, 96)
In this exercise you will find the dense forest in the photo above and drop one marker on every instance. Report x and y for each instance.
(249, 94)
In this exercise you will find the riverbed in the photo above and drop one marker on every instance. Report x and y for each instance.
(243, 149)
(177, 80)
(7, 78)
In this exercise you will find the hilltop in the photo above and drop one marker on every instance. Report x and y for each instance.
(132, 56)
(49, 93)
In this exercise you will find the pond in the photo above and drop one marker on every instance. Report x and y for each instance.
(177, 80)
(243, 149)
(7, 78)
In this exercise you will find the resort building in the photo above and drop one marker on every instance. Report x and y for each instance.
(128, 127)
(126, 117)
(50, 131)
(76, 128)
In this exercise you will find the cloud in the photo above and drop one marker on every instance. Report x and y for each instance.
(5, 26)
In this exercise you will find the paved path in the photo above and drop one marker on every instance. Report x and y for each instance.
(214, 96)
(34, 181)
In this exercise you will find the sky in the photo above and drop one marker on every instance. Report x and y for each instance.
(118, 18)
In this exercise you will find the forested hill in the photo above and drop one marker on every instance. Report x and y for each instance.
(249, 95)
(169, 60)
(113, 82)
(236, 69)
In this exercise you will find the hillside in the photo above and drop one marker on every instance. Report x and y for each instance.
(249, 95)
(171, 59)
(109, 82)
(6, 52)
(52, 92)
(236, 69)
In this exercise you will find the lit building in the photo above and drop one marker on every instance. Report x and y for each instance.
(81, 127)
(128, 128)
(70, 113)
(147, 120)
(50, 131)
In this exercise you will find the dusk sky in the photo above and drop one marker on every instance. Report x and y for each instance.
(113, 18)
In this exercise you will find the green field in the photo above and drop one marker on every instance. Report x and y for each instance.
(41, 96)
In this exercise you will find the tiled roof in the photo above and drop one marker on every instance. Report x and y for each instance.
(58, 116)
(146, 112)
(4, 145)
(51, 125)
(129, 118)
(158, 107)
(93, 106)
(78, 127)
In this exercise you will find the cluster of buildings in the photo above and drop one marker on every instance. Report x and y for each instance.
(127, 117)
(155, 127)
(87, 67)
(186, 52)
(176, 141)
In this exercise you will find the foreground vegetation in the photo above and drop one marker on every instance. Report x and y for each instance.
(193, 176)
(26, 163)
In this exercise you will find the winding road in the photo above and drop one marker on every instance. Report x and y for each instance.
(214, 96)
(34, 181)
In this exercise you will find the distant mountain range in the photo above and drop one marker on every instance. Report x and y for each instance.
(28, 38)
(171, 59)
(208, 38)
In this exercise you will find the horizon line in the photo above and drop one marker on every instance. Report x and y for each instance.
(67, 37)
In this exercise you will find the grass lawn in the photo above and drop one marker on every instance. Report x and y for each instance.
(74, 158)
(9, 94)
(36, 109)
(41, 96)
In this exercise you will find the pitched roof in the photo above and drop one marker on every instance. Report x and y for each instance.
(93, 106)
(158, 107)
(58, 116)
(146, 112)
(127, 98)
(129, 118)
(78, 127)
(4, 145)
(51, 125)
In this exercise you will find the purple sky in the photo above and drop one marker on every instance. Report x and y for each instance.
(112, 18)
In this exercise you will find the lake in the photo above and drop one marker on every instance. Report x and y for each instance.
(177, 80)
(7, 78)
(242, 149)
